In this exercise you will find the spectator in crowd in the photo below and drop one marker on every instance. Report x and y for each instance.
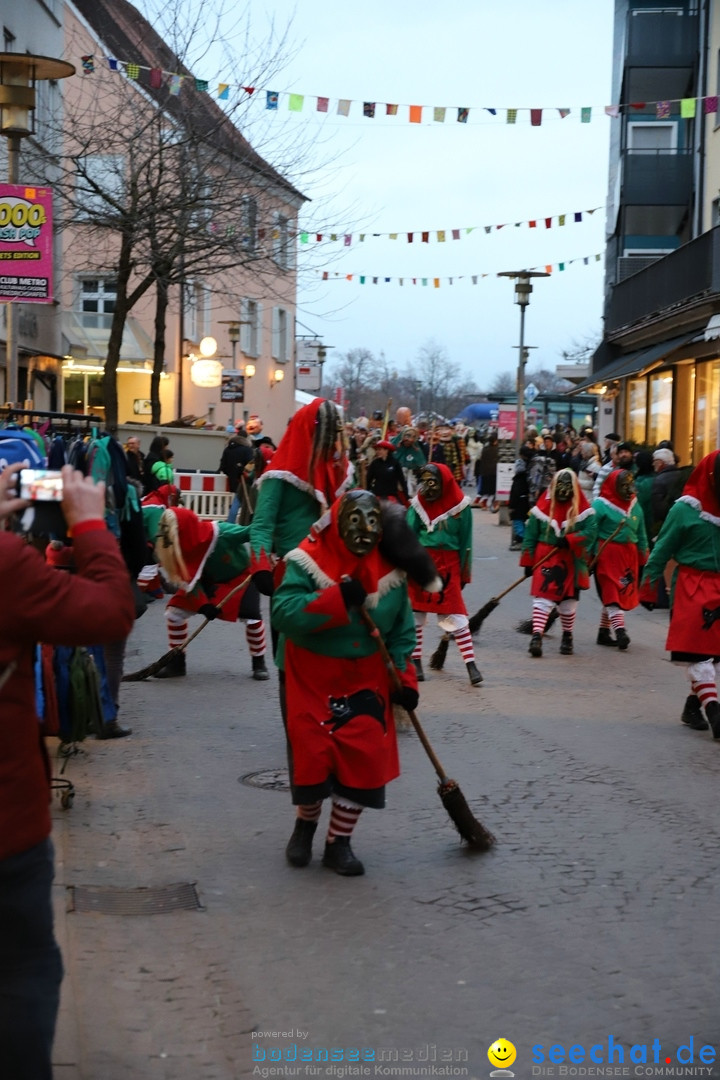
(410, 456)
(385, 478)
(486, 467)
(90, 607)
(519, 500)
(621, 457)
(611, 441)
(663, 492)
(644, 475)
(587, 462)
(135, 458)
(156, 453)
(237, 454)
(162, 470)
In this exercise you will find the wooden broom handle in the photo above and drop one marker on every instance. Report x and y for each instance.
(395, 678)
(203, 624)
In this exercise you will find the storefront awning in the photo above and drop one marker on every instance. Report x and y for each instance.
(633, 363)
(87, 334)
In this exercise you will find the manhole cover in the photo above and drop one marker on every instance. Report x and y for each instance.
(158, 900)
(270, 779)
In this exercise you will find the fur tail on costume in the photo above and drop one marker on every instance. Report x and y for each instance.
(401, 546)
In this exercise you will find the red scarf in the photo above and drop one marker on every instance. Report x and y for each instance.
(451, 502)
(291, 460)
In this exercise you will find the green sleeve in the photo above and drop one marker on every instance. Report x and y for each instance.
(465, 549)
(666, 544)
(262, 527)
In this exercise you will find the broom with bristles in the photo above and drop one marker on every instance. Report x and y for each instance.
(437, 659)
(470, 829)
(152, 669)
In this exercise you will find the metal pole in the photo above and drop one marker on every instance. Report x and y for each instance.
(11, 342)
(520, 382)
(181, 333)
(233, 342)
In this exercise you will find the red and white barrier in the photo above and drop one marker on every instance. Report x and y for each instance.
(208, 494)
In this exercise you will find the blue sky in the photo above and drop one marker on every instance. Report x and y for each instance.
(386, 175)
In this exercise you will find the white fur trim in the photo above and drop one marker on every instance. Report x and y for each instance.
(389, 581)
(289, 478)
(697, 505)
(558, 529)
(430, 523)
(211, 546)
(619, 509)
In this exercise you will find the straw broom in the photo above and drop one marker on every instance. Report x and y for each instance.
(470, 829)
(152, 669)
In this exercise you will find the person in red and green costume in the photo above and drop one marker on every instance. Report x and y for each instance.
(207, 559)
(338, 693)
(441, 518)
(560, 531)
(308, 472)
(690, 535)
(622, 551)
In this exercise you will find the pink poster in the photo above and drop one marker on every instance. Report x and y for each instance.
(25, 244)
(507, 422)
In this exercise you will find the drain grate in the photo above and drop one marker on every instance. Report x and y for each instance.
(270, 779)
(154, 900)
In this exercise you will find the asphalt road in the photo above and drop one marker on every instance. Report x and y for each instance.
(591, 924)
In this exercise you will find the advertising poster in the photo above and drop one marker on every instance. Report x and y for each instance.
(232, 387)
(25, 244)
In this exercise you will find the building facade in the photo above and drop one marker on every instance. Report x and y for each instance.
(657, 369)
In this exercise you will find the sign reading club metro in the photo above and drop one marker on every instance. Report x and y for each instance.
(25, 244)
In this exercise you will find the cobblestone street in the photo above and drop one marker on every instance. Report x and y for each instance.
(593, 918)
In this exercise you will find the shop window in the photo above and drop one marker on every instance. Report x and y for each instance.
(660, 419)
(707, 409)
(636, 419)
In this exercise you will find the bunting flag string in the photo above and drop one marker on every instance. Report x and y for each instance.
(440, 235)
(685, 108)
(436, 282)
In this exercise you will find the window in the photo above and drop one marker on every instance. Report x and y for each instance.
(197, 308)
(652, 138)
(281, 335)
(282, 251)
(98, 294)
(100, 177)
(636, 410)
(248, 224)
(707, 409)
(660, 419)
(251, 327)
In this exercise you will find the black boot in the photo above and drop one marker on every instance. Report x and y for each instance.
(475, 676)
(535, 645)
(340, 858)
(712, 711)
(605, 637)
(419, 670)
(174, 669)
(113, 730)
(299, 849)
(566, 645)
(692, 714)
(622, 639)
(259, 669)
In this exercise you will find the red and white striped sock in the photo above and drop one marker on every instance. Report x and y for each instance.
(604, 619)
(465, 644)
(343, 818)
(617, 618)
(567, 621)
(177, 627)
(539, 619)
(705, 691)
(310, 812)
(417, 651)
(255, 634)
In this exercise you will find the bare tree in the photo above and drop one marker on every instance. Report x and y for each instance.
(504, 383)
(161, 184)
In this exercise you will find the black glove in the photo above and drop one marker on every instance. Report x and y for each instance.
(210, 612)
(353, 593)
(562, 542)
(264, 583)
(407, 697)
(528, 571)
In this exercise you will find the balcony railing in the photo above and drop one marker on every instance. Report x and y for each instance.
(662, 39)
(657, 178)
(690, 272)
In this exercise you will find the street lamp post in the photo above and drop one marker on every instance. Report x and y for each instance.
(523, 288)
(234, 335)
(19, 73)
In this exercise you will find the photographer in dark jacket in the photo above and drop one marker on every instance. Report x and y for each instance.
(38, 604)
(385, 477)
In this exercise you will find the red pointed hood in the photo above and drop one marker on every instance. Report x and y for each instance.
(700, 488)
(291, 460)
(609, 492)
(451, 502)
(184, 543)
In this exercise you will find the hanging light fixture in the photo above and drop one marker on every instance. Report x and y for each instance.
(206, 373)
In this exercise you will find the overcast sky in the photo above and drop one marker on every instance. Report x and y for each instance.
(393, 176)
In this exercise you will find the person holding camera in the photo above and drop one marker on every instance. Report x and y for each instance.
(90, 607)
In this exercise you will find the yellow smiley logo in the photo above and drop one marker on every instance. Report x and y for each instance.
(502, 1053)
